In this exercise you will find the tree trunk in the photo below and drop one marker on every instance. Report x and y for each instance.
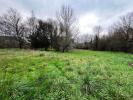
(20, 45)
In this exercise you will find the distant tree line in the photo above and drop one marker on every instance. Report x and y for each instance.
(36, 33)
(61, 34)
(119, 37)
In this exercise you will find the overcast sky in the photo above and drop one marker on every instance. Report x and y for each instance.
(89, 12)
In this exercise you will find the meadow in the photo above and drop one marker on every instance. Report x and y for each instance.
(76, 75)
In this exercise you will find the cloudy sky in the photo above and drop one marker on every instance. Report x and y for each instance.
(89, 12)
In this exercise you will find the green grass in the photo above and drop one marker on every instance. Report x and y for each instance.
(77, 75)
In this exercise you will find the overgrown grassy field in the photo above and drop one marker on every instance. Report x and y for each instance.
(77, 75)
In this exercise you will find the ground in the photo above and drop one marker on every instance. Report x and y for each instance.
(77, 75)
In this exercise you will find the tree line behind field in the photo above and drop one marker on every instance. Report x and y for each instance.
(61, 34)
(36, 33)
(118, 38)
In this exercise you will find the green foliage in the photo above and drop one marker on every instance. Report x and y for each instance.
(77, 75)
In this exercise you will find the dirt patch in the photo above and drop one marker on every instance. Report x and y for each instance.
(130, 64)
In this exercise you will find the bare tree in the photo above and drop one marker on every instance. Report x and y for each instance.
(97, 30)
(119, 38)
(126, 28)
(11, 25)
(123, 33)
(32, 23)
(66, 21)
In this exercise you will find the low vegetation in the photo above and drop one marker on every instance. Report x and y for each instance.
(76, 75)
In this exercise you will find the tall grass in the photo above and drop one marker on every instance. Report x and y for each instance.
(77, 75)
